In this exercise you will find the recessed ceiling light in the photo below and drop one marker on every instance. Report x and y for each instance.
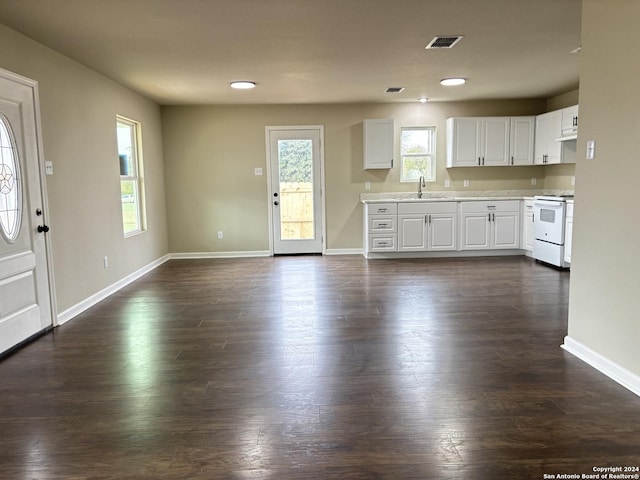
(423, 99)
(452, 81)
(243, 85)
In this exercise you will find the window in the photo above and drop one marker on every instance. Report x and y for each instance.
(418, 153)
(10, 193)
(131, 180)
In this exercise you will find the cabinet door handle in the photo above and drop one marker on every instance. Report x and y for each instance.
(382, 225)
(425, 219)
(482, 160)
(511, 160)
(382, 210)
(429, 219)
(478, 160)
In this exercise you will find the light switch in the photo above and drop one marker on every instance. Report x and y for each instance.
(257, 171)
(48, 167)
(466, 183)
(447, 183)
(591, 149)
(367, 185)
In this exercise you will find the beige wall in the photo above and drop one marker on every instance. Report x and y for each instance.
(604, 302)
(79, 110)
(211, 152)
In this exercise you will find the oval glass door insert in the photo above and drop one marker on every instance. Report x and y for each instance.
(10, 193)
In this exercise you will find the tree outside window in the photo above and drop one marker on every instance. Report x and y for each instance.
(418, 153)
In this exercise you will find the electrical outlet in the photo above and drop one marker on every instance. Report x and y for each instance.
(573, 181)
(367, 185)
(466, 183)
(447, 183)
(534, 180)
(220, 235)
(105, 262)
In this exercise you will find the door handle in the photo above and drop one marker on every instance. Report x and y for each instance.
(43, 228)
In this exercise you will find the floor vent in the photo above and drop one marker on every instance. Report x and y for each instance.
(394, 89)
(444, 42)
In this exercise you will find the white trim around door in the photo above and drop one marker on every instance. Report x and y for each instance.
(315, 244)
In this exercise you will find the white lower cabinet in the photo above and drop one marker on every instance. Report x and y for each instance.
(381, 232)
(527, 227)
(568, 232)
(490, 225)
(421, 227)
(427, 226)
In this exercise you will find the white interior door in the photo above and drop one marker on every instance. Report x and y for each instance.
(25, 300)
(295, 171)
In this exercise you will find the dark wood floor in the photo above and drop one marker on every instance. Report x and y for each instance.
(316, 368)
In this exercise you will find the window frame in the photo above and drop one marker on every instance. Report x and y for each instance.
(136, 175)
(431, 155)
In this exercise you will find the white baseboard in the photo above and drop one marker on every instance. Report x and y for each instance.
(343, 251)
(624, 377)
(190, 255)
(89, 302)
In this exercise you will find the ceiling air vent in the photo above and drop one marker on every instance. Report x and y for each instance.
(394, 89)
(444, 41)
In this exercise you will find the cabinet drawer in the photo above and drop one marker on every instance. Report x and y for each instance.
(382, 208)
(382, 243)
(490, 206)
(382, 223)
(427, 207)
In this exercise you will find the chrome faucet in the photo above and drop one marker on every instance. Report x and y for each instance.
(421, 184)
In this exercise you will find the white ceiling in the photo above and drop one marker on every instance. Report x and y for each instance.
(313, 51)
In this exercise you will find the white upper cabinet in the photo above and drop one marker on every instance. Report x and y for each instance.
(378, 143)
(463, 142)
(548, 129)
(490, 141)
(477, 141)
(570, 121)
(521, 140)
(495, 141)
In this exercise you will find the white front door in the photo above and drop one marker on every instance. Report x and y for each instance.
(25, 295)
(295, 170)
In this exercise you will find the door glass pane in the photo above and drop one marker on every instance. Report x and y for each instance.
(295, 164)
(10, 194)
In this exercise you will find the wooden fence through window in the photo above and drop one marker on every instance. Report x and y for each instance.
(296, 210)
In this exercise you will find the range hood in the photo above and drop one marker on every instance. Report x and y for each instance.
(567, 138)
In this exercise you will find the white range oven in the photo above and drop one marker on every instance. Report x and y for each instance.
(548, 228)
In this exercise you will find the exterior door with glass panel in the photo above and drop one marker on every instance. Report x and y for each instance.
(295, 189)
(25, 301)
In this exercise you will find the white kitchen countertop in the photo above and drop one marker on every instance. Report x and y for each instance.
(457, 196)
